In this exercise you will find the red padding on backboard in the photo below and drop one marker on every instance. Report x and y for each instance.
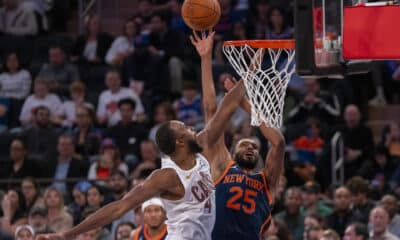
(371, 32)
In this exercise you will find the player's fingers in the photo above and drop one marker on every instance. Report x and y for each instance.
(211, 33)
(196, 36)
(203, 34)
(192, 40)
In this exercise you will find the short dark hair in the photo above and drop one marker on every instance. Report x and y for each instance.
(360, 229)
(165, 138)
(358, 185)
(113, 70)
(57, 46)
(128, 101)
(163, 15)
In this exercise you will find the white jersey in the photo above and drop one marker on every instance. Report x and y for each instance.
(193, 216)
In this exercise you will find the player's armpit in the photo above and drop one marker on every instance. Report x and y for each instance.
(275, 157)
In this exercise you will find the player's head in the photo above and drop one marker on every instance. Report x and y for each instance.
(246, 153)
(175, 136)
(153, 213)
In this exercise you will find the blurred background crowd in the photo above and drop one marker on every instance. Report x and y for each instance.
(83, 93)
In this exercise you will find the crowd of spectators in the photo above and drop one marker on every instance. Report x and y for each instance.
(86, 109)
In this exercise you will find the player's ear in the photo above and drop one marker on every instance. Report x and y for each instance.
(179, 142)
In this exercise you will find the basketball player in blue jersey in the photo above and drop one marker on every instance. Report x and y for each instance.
(154, 216)
(184, 183)
(244, 198)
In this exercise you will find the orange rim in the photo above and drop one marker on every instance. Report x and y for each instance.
(275, 44)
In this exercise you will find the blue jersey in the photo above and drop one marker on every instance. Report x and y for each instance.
(243, 205)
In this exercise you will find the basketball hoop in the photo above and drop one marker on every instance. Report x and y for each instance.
(266, 79)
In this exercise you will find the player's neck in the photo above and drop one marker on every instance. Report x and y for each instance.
(185, 161)
(155, 232)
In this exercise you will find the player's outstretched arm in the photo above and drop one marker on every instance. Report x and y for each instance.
(157, 183)
(204, 47)
(216, 127)
(275, 157)
(274, 162)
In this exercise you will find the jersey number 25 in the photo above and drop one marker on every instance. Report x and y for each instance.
(242, 200)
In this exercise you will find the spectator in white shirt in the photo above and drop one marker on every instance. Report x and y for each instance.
(107, 111)
(15, 20)
(77, 93)
(41, 97)
(123, 45)
(379, 222)
(14, 82)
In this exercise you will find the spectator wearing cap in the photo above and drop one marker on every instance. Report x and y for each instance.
(77, 93)
(342, 215)
(66, 165)
(41, 137)
(41, 97)
(38, 220)
(58, 71)
(359, 188)
(87, 138)
(127, 134)
(79, 200)
(379, 222)
(24, 232)
(154, 217)
(389, 202)
(356, 231)
(311, 200)
(292, 215)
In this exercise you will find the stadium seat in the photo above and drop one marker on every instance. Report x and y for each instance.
(23, 46)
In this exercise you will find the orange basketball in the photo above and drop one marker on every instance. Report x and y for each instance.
(201, 14)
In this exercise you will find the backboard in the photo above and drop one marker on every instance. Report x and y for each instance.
(321, 26)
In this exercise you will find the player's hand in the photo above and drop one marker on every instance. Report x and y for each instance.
(54, 236)
(229, 83)
(203, 44)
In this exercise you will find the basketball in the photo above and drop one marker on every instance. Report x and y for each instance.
(201, 14)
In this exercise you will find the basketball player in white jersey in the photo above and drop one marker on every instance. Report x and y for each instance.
(184, 182)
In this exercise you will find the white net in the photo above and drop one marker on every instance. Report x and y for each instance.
(265, 79)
